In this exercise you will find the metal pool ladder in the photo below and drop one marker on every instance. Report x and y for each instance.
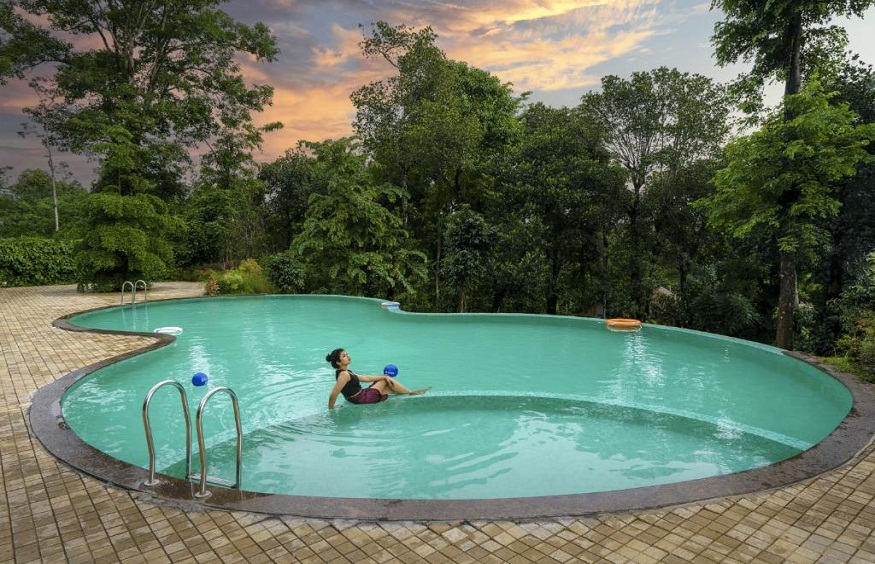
(203, 493)
(134, 287)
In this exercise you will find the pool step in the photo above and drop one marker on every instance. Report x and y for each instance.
(212, 480)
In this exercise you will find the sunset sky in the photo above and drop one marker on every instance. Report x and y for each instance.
(557, 49)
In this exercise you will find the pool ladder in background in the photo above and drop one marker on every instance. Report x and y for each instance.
(202, 477)
(134, 287)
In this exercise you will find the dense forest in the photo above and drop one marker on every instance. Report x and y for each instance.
(662, 196)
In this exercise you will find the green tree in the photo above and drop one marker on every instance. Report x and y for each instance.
(564, 188)
(290, 181)
(117, 245)
(155, 77)
(350, 242)
(683, 242)
(144, 82)
(27, 206)
(436, 129)
(657, 121)
(780, 181)
(852, 232)
(469, 249)
(783, 39)
(786, 40)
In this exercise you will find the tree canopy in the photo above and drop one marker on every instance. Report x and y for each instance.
(781, 179)
(137, 84)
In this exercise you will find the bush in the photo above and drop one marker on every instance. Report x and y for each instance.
(126, 240)
(856, 308)
(284, 272)
(859, 346)
(33, 261)
(248, 278)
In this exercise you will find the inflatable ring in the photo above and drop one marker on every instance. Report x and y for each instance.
(623, 324)
(169, 330)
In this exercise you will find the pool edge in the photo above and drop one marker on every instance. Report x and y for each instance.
(843, 445)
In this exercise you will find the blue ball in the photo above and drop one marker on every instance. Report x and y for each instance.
(391, 370)
(199, 379)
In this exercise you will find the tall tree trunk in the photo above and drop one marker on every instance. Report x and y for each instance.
(553, 283)
(793, 85)
(787, 301)
(635, 269)
(498, 299)
(437, 263)
(788, 296)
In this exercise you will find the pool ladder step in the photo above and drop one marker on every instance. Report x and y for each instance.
(203, 478)
(213, 480)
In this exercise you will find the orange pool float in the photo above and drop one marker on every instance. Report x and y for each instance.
(619, 324)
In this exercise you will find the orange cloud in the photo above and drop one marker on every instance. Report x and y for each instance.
(543, 46)
(551, 46)
(312, 114)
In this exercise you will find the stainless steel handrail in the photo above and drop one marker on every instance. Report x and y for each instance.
(145, 290)
(150, 443)
(133, 291)
(200, 439)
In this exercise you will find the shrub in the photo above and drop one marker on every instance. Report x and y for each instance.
(859, 346)
(857, 314)
(126, 240)
(33, 261)
(211, 286)
(284, 272)
(248, 278)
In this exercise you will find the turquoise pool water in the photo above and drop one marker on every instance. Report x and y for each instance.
(521, 405)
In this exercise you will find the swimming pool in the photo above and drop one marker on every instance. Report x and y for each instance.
(522, 405)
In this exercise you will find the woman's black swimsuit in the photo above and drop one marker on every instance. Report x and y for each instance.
(352, 387)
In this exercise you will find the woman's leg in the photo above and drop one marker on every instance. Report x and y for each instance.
(395, 387)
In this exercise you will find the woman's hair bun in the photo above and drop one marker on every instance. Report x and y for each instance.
(333, 357)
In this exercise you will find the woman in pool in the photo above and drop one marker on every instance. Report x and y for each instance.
(349, 383)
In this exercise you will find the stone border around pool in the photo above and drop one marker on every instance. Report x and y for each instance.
(47, 423)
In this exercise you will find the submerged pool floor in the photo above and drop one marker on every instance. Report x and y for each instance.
(60, 514)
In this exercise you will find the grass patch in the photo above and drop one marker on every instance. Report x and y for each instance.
(845, 364)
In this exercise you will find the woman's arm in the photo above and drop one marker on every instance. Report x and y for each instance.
(342, 379)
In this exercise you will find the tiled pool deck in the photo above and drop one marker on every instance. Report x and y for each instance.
(51, 513)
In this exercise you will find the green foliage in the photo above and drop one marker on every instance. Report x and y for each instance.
(786, 40)
(248, 278)
(288, 184)
(563, 189)
(144, 81)
(856, 312)
(126, 240)
(33, 261)
(782, 177)
(655, 123)
(285, 272)
(27, 209)
(224, 222)
(468, 253)
(780, 184)
(136, 85)
(437, 130)
(207, 236)
(660, 120)
(350, 242)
